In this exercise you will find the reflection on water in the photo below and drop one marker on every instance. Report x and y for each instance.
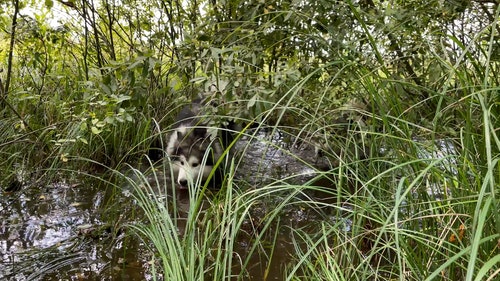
(56, 233)
(270, 157)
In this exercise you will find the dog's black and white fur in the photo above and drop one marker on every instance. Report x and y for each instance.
(193, 148)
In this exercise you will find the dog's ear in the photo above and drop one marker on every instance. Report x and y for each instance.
(178, 151)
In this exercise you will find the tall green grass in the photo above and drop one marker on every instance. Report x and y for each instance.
(401, 211)
(389, 206)
(417, 217)
(410, 209)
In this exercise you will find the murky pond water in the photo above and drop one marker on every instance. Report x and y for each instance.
(69, 231)
(57, 232)
(75, 230)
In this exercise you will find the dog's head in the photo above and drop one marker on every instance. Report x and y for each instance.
(192, 155)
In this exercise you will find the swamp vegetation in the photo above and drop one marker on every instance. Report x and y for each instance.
(369, 147)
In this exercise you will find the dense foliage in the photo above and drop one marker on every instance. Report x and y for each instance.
(94, 82)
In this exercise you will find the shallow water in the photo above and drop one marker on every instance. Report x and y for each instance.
(47, 233)
(75, 230)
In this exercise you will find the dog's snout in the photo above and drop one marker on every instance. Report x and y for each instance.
(183, 183)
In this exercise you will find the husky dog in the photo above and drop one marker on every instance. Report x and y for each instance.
(193, 148)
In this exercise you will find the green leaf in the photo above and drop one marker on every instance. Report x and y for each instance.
(49, 4)
(95, 131)
(137, 63)
(109, 120)
(122, 98)
(83, 140)
(106, 89)
(83, 126)
(252, 101)
(488, 266)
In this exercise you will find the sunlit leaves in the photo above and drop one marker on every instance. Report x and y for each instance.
(97, 126)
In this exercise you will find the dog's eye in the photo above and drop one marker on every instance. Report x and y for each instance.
(182, 163)
(195, 164)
